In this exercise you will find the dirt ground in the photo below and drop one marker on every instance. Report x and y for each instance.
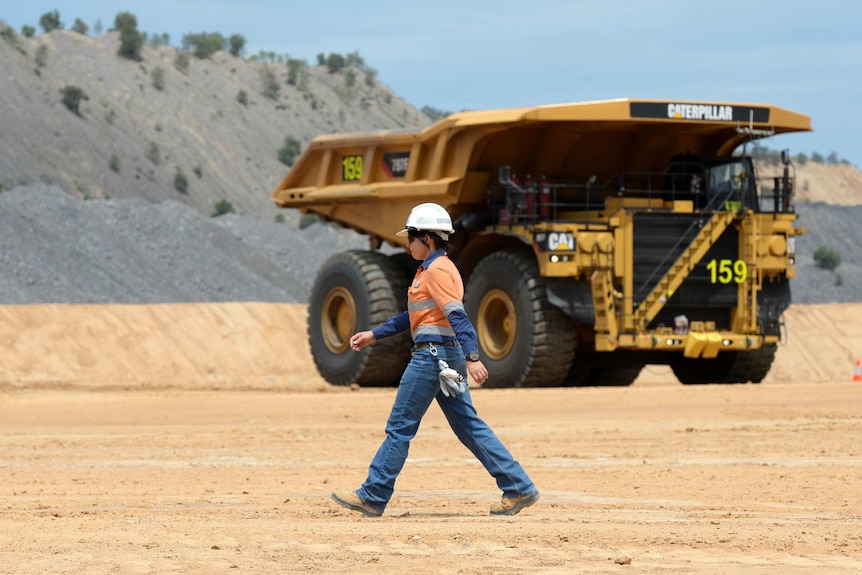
(199, 439)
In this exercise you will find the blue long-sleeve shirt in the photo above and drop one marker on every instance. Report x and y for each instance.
(435, 300)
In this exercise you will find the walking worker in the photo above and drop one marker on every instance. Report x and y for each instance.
(445, 350)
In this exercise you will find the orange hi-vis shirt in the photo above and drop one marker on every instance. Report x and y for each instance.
(435, 306)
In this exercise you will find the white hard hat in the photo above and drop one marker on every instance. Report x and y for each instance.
(429, 218)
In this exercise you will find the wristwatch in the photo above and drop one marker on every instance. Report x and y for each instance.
(472, 356)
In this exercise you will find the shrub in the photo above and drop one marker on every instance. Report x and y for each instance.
(370, 77)
(181, 61)
(222, 207)
(289, 151)
(181, 183)
(827, 258)
(115, 163)
(297, 73)
(28, 31)
(199, 171)
(153, 154)
(41, 57)
(50, 21)
(279, 218)
(158, 79)
(242, 97)
(7, 33)
(72, 96)
(271, 87)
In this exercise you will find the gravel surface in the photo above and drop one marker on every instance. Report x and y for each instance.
(55, 248)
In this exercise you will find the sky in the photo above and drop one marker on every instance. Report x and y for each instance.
(456, 55)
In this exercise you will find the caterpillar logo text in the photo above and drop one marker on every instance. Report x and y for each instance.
(560, 241)
(700, 112)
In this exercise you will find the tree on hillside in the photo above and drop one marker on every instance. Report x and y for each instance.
(205, 44)
(80, 27)
(335, 62)
(50, 21)
(131, 41)
(28, 31)
(237, 44)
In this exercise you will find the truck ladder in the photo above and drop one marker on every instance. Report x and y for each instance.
(745, 315)
(683, 266)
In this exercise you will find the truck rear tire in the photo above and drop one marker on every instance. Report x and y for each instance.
(524, 341)
(613, 376)
(752, 366)
(353, 291)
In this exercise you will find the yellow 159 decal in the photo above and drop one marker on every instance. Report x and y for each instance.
(726, 271)
(351, 168)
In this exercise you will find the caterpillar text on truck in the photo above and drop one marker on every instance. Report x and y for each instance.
(594, 238)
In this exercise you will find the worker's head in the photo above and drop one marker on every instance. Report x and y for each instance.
(428, 221)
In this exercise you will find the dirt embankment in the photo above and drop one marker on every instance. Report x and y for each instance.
(264, 346)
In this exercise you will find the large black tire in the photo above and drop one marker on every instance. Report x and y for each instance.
(732, 367)
(592, 369)
(752, 366)
(613, 376)
(700, 371)
(355, 291)
(524, 341)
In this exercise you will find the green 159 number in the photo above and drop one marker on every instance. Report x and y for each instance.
(351, 168)
(726, 271)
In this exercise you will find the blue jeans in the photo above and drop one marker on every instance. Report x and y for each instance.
(418, 388)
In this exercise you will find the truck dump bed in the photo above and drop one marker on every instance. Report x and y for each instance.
(453, 161)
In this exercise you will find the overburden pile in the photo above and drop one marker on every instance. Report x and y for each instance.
(55, 248)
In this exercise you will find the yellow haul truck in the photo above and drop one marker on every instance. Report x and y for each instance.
(594, 238)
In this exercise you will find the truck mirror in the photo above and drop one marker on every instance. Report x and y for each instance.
(505, 174)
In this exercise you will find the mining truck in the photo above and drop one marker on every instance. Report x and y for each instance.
(594, 238)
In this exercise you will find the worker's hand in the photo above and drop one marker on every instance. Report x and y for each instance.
(477, 371)
(361, 339)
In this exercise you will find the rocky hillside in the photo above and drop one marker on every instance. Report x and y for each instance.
(194, 123)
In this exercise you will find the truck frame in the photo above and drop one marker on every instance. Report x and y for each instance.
(594, 238)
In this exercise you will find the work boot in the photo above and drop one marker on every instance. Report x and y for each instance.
(352, 501)
(513, 505)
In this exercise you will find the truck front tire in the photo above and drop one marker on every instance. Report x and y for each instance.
(355, 291)
(524, 341)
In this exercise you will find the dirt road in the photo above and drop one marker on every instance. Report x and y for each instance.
(125, 474)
